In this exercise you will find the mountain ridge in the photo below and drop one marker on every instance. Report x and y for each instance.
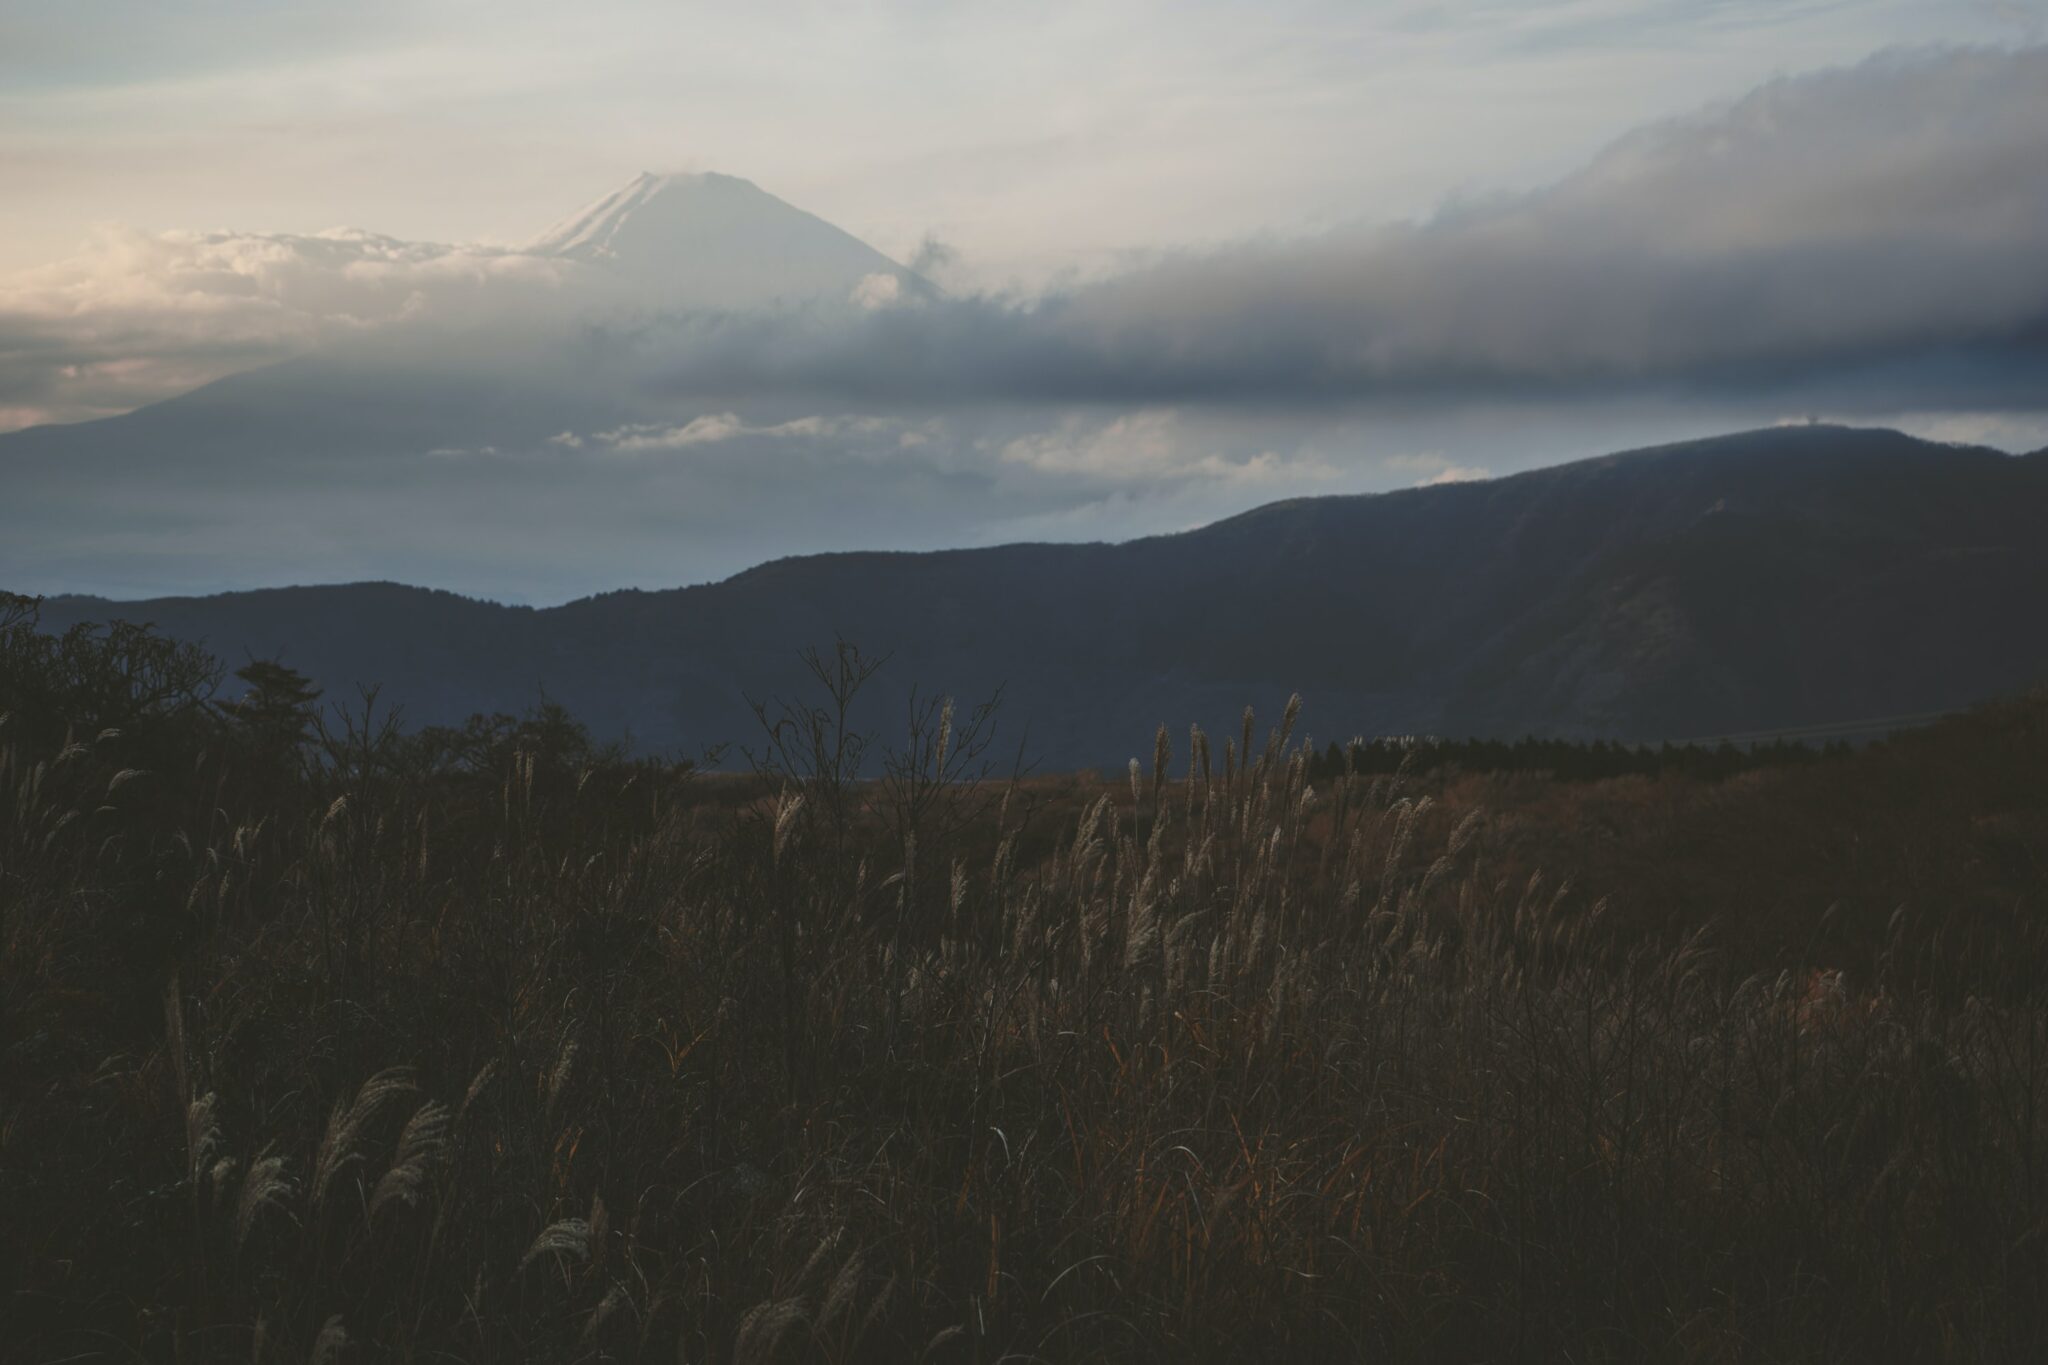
(1708, 446)
(1790, 576)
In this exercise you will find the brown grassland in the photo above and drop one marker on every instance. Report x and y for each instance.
(326, 1051)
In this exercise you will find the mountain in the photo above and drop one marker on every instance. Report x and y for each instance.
(1784, 577)
(427, 446)
(717, 241)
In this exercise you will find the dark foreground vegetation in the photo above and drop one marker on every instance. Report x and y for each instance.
(327, 1041)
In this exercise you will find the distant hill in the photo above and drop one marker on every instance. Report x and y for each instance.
(1776, 578)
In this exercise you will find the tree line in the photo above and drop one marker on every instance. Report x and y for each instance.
(1562, 759)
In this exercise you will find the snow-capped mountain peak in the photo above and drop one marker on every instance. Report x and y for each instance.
(719, 241)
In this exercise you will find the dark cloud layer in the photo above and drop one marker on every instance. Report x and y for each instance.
(1872, 235)
(1869, 227)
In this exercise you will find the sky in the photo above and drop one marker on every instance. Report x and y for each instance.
(1189, 258)
(1033, 139)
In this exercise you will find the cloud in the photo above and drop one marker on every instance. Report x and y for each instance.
(719, 427)
(878, 291)
(1867, 238)
(705, 430)
(135, 316)
(1430, 471)
(1823, 227)
(933, 257)
(1457, 473)
(1151, 447)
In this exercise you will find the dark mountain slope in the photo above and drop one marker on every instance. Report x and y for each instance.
(1775, 578)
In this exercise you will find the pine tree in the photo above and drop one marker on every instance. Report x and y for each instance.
(275, 714)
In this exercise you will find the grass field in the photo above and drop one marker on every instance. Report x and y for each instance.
(539, 1054)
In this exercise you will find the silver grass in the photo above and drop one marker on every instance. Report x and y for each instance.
(878, 1308)
(840, 1296)
(785, 822)
(763, 1327)
(476, 1088)
(600, 1225)
(568, 1237)
(558, 1075)
(342, 1145)
(1467, 829)
(223, 1171)
(1141, 927)
(202, 1135)
(264, 1187)
(123, 778)
(328, 1346)
(601, 1314)
(421, 1147)
(826, 1245)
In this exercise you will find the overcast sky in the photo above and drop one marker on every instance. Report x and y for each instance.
(1031, 137)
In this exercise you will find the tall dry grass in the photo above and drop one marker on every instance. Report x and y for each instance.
(1216, 1065)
